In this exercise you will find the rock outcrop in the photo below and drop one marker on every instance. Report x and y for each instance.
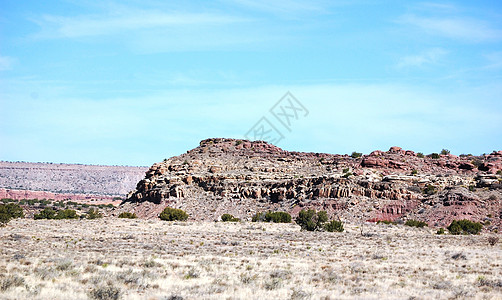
(243, 177)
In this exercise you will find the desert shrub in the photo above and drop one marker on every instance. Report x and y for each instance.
(414, 172)
(472, 188)
(93, 214)
(46, 213)
(229, 218)
(66, 214)
(127, 215)
(10, 211)
(386, 222)
(311, 220)
(173, 214)
(440, 231)
(416, 223)
(464, 227)
(258, 217)
(445, 152)
(104, 293)
(11, 281)
(356, 154)
(435, 155)
(278, 217)
(334, 226)
(430, 190)
(493, 240)
(420, 155)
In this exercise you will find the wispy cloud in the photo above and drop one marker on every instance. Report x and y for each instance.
(282, 6)
(6, 63)
(127, 20)
(467, 29)
(430, 56)
(494, 60)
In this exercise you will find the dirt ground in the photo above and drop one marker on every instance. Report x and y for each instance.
(151, 259)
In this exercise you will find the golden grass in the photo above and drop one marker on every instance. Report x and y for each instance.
(139, 259)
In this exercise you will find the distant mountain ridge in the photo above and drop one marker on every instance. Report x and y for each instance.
(70, 178)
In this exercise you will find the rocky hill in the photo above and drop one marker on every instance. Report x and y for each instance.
(66, 181)
(242, 177)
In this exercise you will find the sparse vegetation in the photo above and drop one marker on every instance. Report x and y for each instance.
(416, 223)
(430, 190)
(229, 218)
(440, 231)
(420, 155)
(493, 240)
(445, 152)
(435, 156)
(334, 226)
(10, 211)
(272, 216)
(173, 214)
(93, 214)
(464, 227)
(356, 154)
(386, 222)
(311, 220)
(127, 215)
(49, 213)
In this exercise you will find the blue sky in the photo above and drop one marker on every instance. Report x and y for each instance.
(134, 82)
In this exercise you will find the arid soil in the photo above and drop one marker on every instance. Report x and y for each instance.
(23, 180)
(153, 259)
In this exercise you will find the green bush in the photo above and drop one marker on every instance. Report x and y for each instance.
(173, 214)
(334, 226)
(127, 215)
(93, 214)
(272, 216)
(420, 155)
(66, 214)
(430, 190)
(440, 231)
(435, 156)
(465, 227)
(416, 223)
(10, 211)
(258, 217)
(356, 154)
(229, 218)
(46, 213)
(278, 217)
(445, 152)
(386, 222)
(311, 220)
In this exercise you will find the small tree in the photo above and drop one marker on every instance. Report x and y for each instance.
(435, 156)
(173, 214)
(66, 214)
(311, 220)
(46, 213)
(464, 227)
(445, 152)
(356, 154)
(10, 211)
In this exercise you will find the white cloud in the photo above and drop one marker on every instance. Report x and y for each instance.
(494, 60)
(124, 22)
(6, 63)
(471, 30)
(430, 56)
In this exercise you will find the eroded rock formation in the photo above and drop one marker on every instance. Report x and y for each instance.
(242, 177)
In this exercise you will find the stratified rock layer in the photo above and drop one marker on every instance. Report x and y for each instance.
(242, 177)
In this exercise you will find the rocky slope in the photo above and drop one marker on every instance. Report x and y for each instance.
(242, 177)
(71, 181)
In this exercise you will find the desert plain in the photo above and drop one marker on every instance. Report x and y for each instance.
(113, 258)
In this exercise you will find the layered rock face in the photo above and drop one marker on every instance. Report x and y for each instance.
(242, 177)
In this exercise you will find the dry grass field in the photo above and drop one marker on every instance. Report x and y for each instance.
(139, 259)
